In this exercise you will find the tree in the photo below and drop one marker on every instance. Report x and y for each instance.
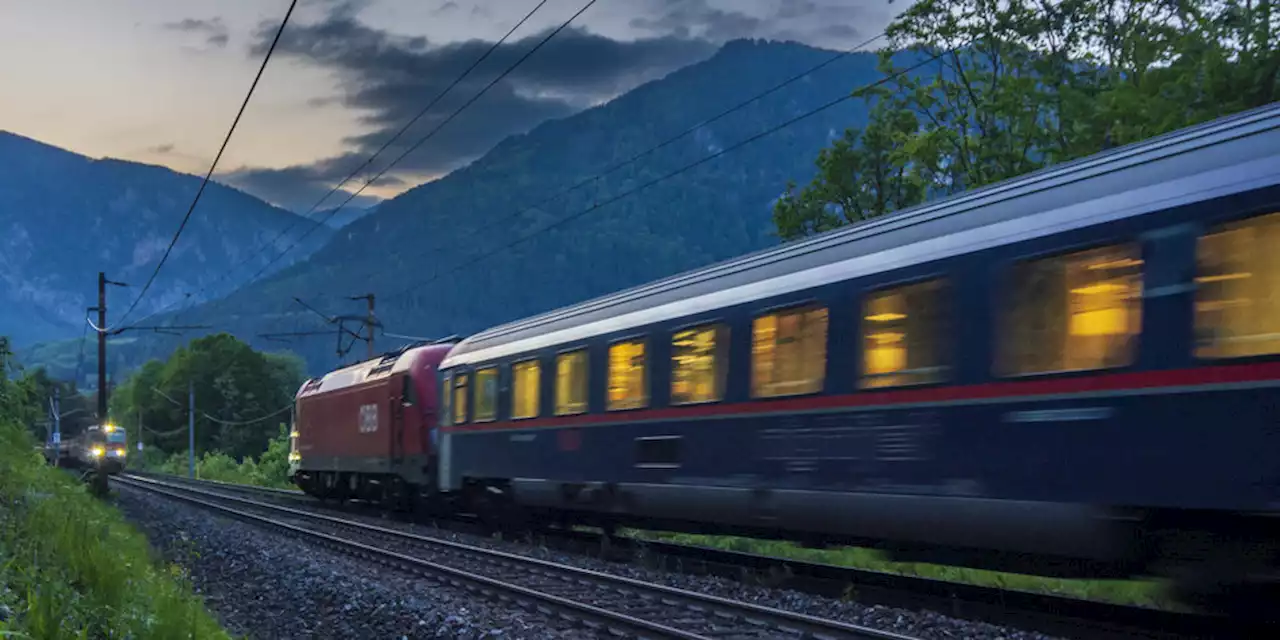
(1011, 86)
(233, 385)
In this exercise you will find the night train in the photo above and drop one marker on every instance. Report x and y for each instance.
(1072, 373)
(100, 447)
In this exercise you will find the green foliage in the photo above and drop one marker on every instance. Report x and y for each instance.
(71, 568)
(1022, 84)
(233, 384)
(271, 469)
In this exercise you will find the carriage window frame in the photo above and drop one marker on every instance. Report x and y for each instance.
(1006, 303)
(446, 408)
(646, 376)
(1200, 350)
(723, 346)
(586, 382)
(805, 305)
(476, 390)
(515, 388)
(943, 350)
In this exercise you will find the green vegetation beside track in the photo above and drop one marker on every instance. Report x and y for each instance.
(71, 567)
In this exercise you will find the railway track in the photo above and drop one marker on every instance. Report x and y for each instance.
(613, 605)
(1046, 613)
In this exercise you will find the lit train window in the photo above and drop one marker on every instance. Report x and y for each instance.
(1238, 289)
(903, 329)
(446, 404)
(1073, 312)
(698, 364)
(460, 398)
(628, 376)
(571, 383)
(789, 352)
(525, 377)
(486, 395)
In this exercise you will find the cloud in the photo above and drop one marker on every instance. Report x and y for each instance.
(166, 148)
(213, 30)
(831, 24)
(388, 79)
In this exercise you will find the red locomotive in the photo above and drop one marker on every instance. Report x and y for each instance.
(365, 431)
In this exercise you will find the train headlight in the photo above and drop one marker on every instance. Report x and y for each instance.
(117, 452)
(98, 452)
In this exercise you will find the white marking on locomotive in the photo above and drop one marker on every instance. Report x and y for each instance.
(368, 418)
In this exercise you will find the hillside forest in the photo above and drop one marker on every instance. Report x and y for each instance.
(1020, 85)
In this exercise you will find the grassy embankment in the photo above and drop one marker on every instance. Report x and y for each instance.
(271, 469)
(71, 567)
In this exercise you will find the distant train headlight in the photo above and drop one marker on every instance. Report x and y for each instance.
(117, 452)
(98, 452)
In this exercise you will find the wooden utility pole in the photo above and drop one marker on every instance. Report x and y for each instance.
(102, 346)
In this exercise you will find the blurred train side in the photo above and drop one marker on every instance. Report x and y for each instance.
(965, 449)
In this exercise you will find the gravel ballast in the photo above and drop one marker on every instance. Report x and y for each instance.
(435, 612)
(264, 585)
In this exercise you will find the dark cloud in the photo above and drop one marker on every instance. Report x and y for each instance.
(162, 148)
(446, 8)
(389, 79)
(214, 30)
(800, 20)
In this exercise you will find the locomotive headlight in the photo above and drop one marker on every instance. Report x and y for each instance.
(118, 452)
(98, 452)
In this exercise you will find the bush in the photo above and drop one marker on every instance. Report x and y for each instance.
(70, 567)
(271, 469)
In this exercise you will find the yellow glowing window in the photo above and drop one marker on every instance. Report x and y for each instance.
(628, 376)
(698, 364)
(486, 395)
(789, 352)
(903, 332)
(1073, 312)
(460, 399)
(446, 404)
(571, 383)
(1237, 302)
(525, 378)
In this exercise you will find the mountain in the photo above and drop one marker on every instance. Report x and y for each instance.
(471, 250)
(64, 217)
(342, 217)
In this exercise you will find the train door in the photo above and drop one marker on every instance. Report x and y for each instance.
(398, 398)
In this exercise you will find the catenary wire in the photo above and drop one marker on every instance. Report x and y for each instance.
(209, 175)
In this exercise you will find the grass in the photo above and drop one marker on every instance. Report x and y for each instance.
(71, 567)
(1149, 593)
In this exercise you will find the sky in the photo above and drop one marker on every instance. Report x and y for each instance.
(159, 81)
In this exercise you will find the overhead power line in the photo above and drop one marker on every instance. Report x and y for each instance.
(430, 105)
(663, 178)
(209, 175)
(657, 147)
(438, 127)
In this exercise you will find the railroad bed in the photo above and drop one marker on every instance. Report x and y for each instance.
(613, 605)
(1056, 615)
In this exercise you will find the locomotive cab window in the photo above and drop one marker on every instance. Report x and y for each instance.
(571, 383)
(1073, 312)
(698, 364)
(486, 395)
(628, 376)
(525, 377)
(460, 398)
(789, 352)
(902, 335)
(1237, 302)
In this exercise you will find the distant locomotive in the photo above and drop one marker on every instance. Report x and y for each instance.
(100, 447)
(1072, 373)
